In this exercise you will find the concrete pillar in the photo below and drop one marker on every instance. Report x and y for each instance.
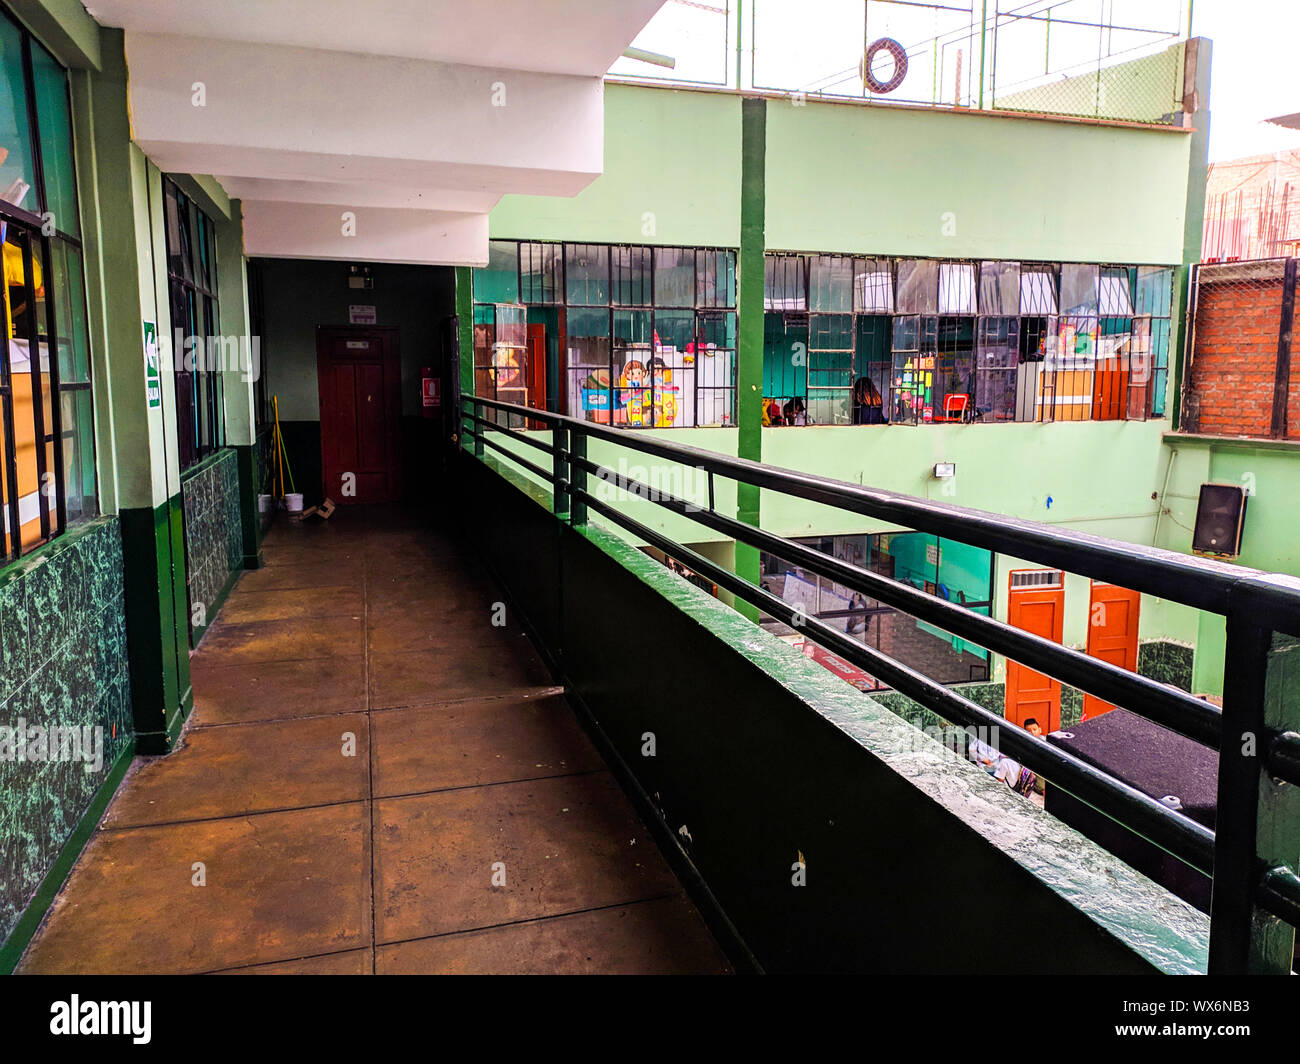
(121, 198)
(749, 299)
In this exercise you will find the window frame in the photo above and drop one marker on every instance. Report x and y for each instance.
(49, 432)
(194, 299)
(630, 287)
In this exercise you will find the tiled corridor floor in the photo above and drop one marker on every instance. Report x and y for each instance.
(367, 753)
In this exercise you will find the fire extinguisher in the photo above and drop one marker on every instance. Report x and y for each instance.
(430, 393)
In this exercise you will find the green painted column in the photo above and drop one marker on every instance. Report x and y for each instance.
(465, 320)
(1196, 79)
(120, 196)
(749, 358)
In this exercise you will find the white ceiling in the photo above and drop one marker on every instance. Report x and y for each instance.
(549, 36)
(412, 116)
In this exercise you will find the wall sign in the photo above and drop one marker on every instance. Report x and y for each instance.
(360, 314)
(152, 369)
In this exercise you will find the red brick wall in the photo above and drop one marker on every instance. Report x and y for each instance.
(1234, 360)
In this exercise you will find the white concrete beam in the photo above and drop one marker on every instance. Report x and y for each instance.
(550, 36)
(274, 111)
(364, 234)
(360, 194)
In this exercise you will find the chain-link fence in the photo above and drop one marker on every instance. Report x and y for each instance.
(1239, 379)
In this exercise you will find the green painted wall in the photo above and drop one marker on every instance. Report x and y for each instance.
(1269, 538)
(895, 181)
(889, 180)
(672, 176)
(301, 294)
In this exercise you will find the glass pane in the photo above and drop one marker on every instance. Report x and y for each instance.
(1037, 291)
(633, 400)
(1116, 299)
(785, 282)
(715, 278)
(587, 389)
(998, 355)
(918, 286)
(586, 270)
(17, 171)
(672, 369)
(873, 287)
(715, 368)
(674, 277)
(830, 369)
(957, 288)
(203, 266)
(51, 88)
(1154, 290)
(999, 288)
(830, 283)
(28, 449)
(541, 268)
(915, 349)
(176, 208)
(78, 453)
(630, 267)
(70, 313)
(1078, 289)
(785, 359)
(498, 282)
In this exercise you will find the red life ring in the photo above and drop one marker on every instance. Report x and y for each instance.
(899, 56)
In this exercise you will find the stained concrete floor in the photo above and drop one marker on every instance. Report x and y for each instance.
(367, 752)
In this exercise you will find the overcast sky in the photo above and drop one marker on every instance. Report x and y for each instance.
(1253, 74)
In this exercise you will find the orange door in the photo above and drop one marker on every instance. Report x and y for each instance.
(1112, 634)
(1035, 603)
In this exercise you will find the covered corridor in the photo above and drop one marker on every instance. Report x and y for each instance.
(375, 779)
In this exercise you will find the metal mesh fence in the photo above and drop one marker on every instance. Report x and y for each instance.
(1122, 60)
(1239, 379)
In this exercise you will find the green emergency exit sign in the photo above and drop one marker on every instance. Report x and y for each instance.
(152, 373)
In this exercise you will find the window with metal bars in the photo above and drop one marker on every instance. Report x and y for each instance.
(47, 454)
(646, 336)
(192, 290)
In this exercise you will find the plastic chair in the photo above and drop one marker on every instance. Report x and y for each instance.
(954, 406)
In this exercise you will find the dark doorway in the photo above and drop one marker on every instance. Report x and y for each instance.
(359, 376)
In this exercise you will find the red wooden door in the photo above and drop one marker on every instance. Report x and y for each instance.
(1112, 634)
(1035, 603)
(360, 413)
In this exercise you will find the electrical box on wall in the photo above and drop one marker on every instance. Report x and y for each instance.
(359, 277)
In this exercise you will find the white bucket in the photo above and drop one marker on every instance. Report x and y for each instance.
(264, 504)
(293, 502)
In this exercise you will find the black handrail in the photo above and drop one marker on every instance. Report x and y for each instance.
(1255, 603)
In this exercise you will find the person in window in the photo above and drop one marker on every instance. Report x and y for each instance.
(867, 405)
(858, 622)
(772, 414)
(794, 412)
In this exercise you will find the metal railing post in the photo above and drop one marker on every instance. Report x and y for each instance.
(578, 477)
(1232, 902)
(478, 432)
(560, 474)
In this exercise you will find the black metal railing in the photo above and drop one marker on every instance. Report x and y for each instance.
(1255, 604)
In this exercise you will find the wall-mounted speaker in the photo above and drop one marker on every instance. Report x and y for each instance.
(1220, 515)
